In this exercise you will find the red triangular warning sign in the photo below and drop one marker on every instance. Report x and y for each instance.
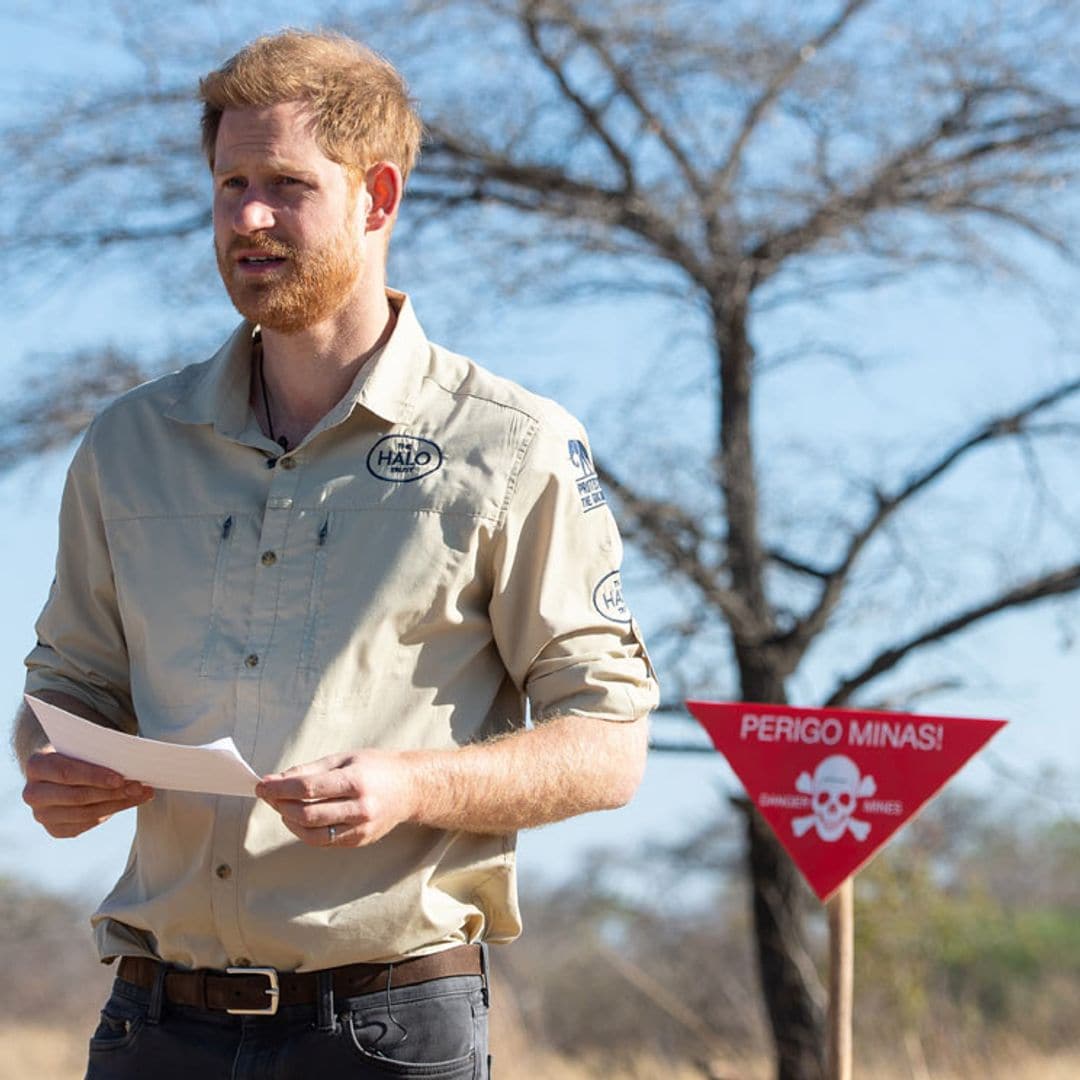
(836, 784)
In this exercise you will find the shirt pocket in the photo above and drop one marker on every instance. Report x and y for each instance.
(183, 585)
(380, 586)
(222, 613)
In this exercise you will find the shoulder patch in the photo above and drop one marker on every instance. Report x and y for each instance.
(608, 599)
(588, 483)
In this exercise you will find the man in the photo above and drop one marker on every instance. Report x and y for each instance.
(358, 554)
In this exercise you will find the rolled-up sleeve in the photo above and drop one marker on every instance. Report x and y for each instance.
(561, 623)
(80, 646)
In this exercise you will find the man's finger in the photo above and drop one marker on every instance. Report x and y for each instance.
(58, 816)
(309, 768)
(66, 832)
(317, 815)
(317, 781)
(46, 793)
(311, 837)
(61, 769)
(345, 836)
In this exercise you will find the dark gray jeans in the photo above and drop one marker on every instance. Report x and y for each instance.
(435, 1030)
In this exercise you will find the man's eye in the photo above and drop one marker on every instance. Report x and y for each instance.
(285, 181)
(233, 183)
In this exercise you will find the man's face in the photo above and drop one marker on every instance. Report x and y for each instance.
(288, 226)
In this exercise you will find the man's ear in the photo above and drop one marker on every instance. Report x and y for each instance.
(384, 187)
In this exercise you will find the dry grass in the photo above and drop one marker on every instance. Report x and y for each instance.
(1028, 1067)
(41, 1052)
(543, 1067)
(58, 1054)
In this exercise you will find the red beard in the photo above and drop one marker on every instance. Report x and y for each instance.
(310, 286)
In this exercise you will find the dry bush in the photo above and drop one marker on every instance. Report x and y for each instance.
(957, 968)
(596, 975)
(959, 973)
(47, 949)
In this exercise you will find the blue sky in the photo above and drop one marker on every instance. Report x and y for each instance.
(941, 349)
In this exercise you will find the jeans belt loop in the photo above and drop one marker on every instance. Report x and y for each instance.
(484, 960)
(325, 1020)
(157, 995)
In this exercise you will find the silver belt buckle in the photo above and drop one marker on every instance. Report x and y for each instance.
(272, 991)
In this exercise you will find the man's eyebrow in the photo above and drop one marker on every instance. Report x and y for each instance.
(274, 165)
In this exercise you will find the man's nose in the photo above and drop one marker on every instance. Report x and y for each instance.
(253, 214)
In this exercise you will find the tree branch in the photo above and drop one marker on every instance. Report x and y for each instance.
(799, 638)
(668, 533)
(904, 179)
(1022, 221)
(196, 223)
(590, 115)
(551, 192)
(594, 38)
(1057, 583)
(802, 55)
(789, 562)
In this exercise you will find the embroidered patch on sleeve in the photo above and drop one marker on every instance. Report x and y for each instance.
(588, 483)
(608, 599)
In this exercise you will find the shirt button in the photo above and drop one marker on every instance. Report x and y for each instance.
(252, 660)
(269, 558)
(224, 871)
(288, 463)
(271, 462)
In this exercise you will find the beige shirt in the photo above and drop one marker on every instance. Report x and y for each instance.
(434, 553)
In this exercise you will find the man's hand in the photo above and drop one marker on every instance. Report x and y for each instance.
(69, 796)
(362, 794)
(564, 766)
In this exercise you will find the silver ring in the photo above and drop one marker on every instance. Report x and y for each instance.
(332, 830)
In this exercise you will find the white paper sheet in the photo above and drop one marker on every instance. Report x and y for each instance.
(216, 768)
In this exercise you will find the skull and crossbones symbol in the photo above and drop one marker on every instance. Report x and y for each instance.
(834, 790)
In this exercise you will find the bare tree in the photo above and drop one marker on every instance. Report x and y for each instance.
(735, 162)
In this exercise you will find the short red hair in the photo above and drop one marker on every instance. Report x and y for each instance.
(360, 103)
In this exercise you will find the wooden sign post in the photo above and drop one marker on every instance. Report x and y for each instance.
(841, 910)
(835, 785)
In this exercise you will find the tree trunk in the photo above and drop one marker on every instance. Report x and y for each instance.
(788, 977)
(789, 981)
(787, 974)
(738, 478)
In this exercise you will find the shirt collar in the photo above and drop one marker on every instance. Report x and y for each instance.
(387, 384)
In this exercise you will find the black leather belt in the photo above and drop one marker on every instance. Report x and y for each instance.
(260, 990)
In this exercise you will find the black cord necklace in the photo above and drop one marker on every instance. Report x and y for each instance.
(280, 440)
